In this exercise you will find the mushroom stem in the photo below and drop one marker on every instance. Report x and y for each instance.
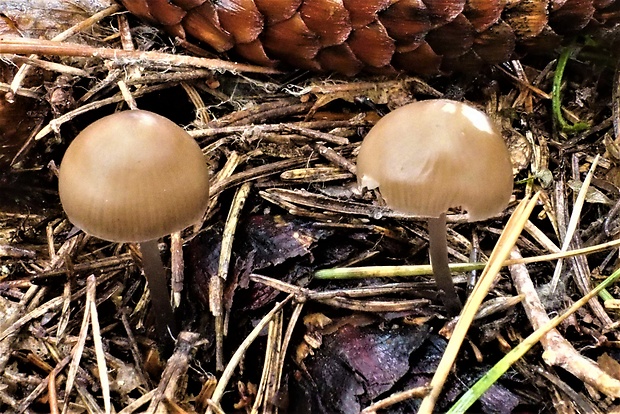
(165, 324)
(438, 245)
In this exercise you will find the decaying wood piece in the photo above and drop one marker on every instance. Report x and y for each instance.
(378, 36)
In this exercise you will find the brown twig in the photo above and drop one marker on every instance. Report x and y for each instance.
(120, 56)
(216, 285)
(558, 351)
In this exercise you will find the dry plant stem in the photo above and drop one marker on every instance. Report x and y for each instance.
(541, 237)
(165, 324)
(50, 306)
(137, 403)
(50, 66)
(564, 227)
(55, 124)
(25, 92)
(343, 298)
(125, 34)
(329, 204)
(78, 349)
(438, 244)
(282, 109)
(232, 162)
(256, 132)
(216, 286)
(106, 264)
(526, 85)
(14, 313)
(418, 270)
(266, 390)
(294, 318)
(177, 266)
(558, 351)
(335, 158)
(258, 172)
(582, 403)
(14, 326)
(417, 392)
(616, 104)
(46, 47)
(574, 221)
(133, 71)
(274, 385)
(23, 71)
(135, 351)
(104, 380)
(583, 280)
(218, 393)
(28, 307)
(65, 313)
(127, 96)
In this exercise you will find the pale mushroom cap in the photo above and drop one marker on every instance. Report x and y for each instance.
(133, 176)
(429, 156)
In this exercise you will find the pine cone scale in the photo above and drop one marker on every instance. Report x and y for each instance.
(377, 36)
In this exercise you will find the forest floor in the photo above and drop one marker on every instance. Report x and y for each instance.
(285, 204)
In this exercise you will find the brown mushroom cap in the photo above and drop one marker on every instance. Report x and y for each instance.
(428, 156)
(133, 176)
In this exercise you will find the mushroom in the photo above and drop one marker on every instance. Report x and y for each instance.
(429, 156)
(136, 176)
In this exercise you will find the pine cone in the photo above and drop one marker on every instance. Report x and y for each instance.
(378, 36)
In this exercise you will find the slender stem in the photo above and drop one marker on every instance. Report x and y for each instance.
(439, 261)
(165, 324)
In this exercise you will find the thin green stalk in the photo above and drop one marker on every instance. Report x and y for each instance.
(391, 271)
(556, 96)
(500, 368)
